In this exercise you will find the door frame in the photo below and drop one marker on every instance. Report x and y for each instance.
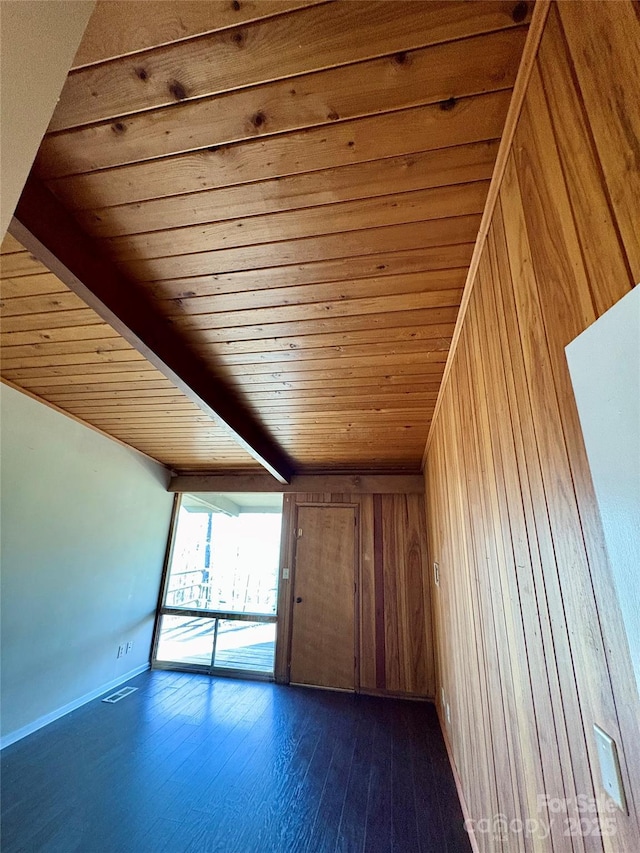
(289, 554)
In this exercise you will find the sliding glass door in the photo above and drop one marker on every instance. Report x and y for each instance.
(219, 609)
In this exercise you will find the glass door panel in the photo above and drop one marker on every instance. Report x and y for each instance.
(184, 639)
(246, 645)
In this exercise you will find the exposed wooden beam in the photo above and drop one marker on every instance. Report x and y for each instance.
(394, 484)
(217, 503)
(48, 231)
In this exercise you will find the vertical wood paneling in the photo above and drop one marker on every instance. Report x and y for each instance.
(563, 549)
(603, 44)
(529, 651)
(488, 598)
(407, 657)
(588, 194)
(469, 585)
(393, 593)
(519, 535)
(390, 582)
(417, 599)
(377, 582)
(367, 591)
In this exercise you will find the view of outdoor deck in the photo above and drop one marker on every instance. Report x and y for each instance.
(238, 645)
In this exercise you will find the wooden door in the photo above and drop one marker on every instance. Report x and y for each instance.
(323, 638)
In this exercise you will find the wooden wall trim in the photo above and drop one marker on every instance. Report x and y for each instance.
(536, 28)
(285, 591)
(381, 484)
(378, 573)
(45, 228)
(395, 694)
(164, 580)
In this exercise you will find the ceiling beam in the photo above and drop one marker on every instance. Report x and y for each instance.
(353, 484)
(211, 503)
(48, 231)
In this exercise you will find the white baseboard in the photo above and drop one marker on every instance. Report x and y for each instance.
(12, 737)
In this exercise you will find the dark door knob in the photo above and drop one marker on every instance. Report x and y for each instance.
(298, 600)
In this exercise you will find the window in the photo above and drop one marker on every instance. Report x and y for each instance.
(220, 595)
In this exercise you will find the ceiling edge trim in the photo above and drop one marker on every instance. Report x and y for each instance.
(389, 483)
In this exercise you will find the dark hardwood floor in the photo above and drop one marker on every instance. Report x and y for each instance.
(192, 763)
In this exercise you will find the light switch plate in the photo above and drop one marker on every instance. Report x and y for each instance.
(610, 767)
(285, 574)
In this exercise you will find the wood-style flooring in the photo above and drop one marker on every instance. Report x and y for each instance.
(193, 763)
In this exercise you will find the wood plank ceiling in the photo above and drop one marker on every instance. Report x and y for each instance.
(298, 186)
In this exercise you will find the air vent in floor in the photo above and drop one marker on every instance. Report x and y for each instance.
(120, 694)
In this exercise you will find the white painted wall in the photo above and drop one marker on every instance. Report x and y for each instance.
(84, 524)
(604, 362)
(38, 40)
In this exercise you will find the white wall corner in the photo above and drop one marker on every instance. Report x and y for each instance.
(604, 363)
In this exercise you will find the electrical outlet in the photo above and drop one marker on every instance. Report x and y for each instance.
(285, 574)
(120, 650)
(129, 646)
(610, 767)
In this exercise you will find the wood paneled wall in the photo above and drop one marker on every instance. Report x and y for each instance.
(530, 648)
(393, 637)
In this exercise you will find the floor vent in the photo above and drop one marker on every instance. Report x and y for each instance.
(116, 697)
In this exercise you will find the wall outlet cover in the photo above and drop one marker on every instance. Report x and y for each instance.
(610, 767)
